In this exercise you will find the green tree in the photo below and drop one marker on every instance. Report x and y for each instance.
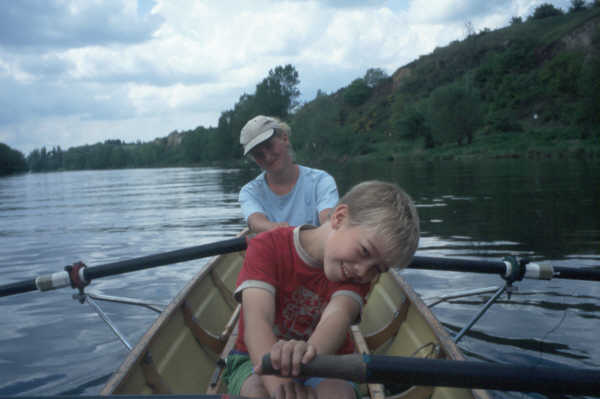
(225, 135)
(589, 84)
(469, 29)
(546, 10)
(277, 94)
(118, 157)
(316, 128)
(374, 76)
(560, 74)
(455, 113)
(37, 160)
(11, 161)
(357, 92)
(577, 5)
(74, 158)
(413, 124)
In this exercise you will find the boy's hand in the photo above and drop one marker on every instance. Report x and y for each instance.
(287, 356)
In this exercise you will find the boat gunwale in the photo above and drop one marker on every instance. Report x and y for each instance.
(449, 348)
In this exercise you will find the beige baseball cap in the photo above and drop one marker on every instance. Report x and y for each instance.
(257, 130)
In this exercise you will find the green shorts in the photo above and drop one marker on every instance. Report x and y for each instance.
(239, 368)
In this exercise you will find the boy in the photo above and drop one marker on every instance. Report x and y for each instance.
(301, 289)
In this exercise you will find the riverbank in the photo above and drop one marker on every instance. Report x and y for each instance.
(493, 146)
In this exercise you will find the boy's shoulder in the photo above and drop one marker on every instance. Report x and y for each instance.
(282, 245)
(279, 233)
(272, 240)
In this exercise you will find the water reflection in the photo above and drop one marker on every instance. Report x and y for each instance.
(548, 207)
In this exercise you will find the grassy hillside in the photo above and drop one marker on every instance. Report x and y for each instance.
(528, 90)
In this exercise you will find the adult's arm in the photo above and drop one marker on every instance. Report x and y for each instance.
(259, 316)
(327, 196)
(258, 222)
(324, 215)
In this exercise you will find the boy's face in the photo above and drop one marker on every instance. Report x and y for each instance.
(352, 253)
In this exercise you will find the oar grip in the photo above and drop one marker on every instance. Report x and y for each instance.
(346, 367)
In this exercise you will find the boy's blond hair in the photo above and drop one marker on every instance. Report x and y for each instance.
(390, 213)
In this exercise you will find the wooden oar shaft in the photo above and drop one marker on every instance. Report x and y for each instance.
(62, 279)
(166, 258)
(451, 373)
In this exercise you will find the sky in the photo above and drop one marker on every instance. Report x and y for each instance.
(76, 72)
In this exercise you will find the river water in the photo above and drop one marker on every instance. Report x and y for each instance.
(51, 344)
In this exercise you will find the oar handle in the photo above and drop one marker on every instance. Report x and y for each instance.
(450, 373)
(346, 367)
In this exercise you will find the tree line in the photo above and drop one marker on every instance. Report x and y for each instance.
(277, 94)
(514, 82)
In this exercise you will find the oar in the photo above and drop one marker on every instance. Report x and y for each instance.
(450, 373)
(511, 268)
(78, 275)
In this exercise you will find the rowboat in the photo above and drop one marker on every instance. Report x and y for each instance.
(183, 352)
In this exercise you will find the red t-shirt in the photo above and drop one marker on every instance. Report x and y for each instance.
(276, 262)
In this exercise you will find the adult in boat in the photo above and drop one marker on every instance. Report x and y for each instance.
(285, 193)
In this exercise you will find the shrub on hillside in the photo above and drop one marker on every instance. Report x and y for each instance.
(589, 84)
(455, 113)
(516, 20)
(357, 92)
(546, 10)
(374, 76)
(577, 5)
